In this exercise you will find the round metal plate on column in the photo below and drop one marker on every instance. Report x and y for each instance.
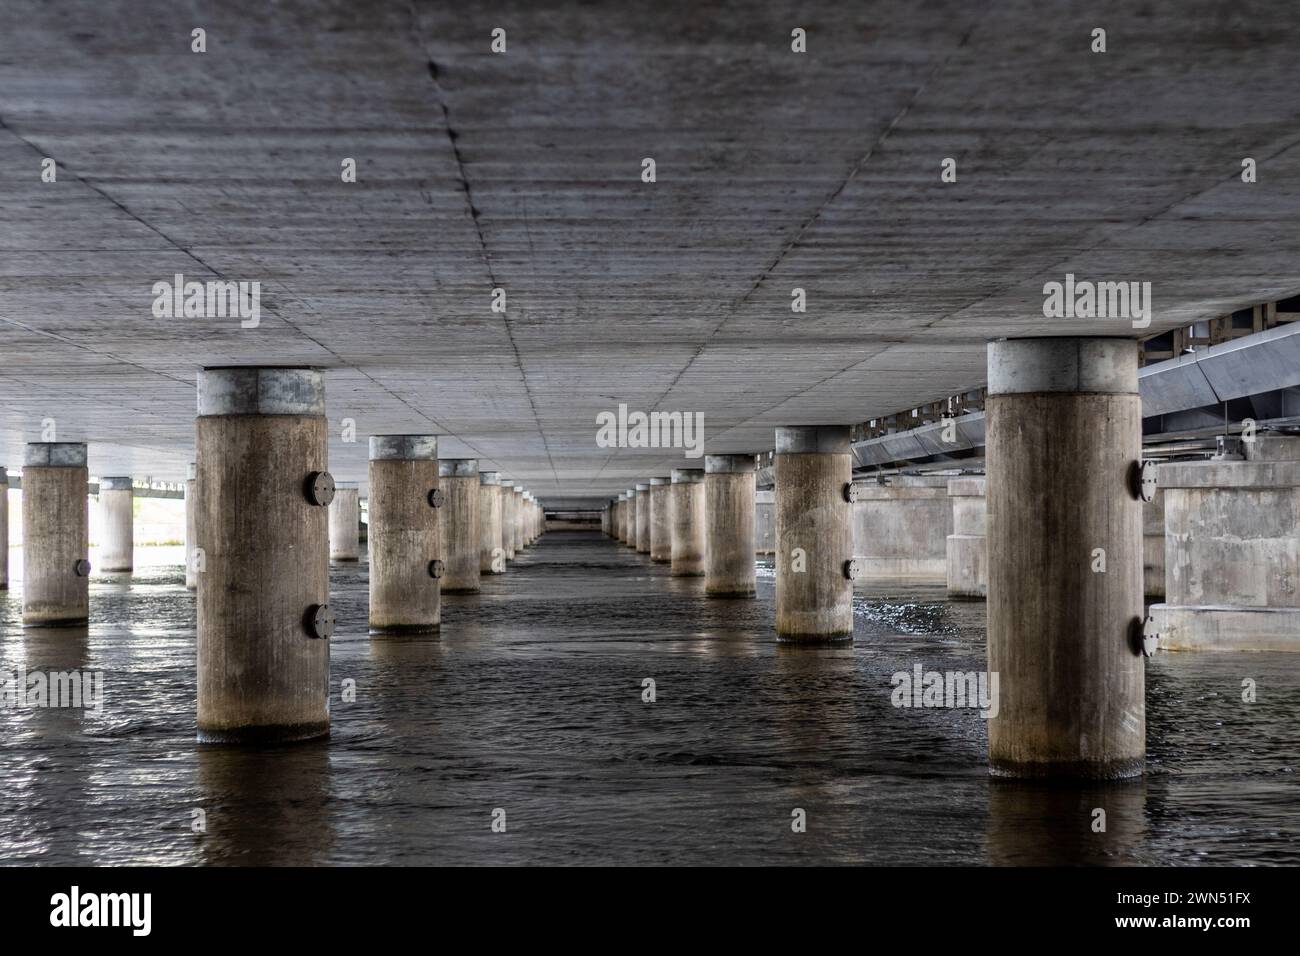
(435, 498)
(436, 568)
(319, 621)
(82, 567)
(1144, 479)
(851, 568)
(319, 488)
(850, 492)
(1150, 637)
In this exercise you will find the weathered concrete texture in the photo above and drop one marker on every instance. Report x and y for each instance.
(117, 525)
(1064, 430)
(262, 676)
(1232, 548)
(643, 518)
(729, 523)
(765, 522)
(459, 517)
(191, 529)
(968, 568)
(1153, 545)
(345, 524)
(688, 519)
(661, 529)
(508, 518)
(4, 528)
(404, 543)
(629, 518)
(901, 528)
(56, 535)
(814, 541)
(517, 519)
(491, 554)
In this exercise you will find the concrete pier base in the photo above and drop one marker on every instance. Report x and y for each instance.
(459, 532)
(968, 553)
(814, 539)
(116, 525)
(4, 528)
(56, 535)
(729, 523)
(643, 517)
(263, 644)
(1064, 433)
(405, 565)
(345, 522)
(491, 555)
(191, 529)
(661, 528)
(687, 517)
(1232, 544)
(901, 528)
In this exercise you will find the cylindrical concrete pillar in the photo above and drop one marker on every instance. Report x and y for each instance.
(4, 528)
(345, 522)
(661, 527)
(517, 518)
(263, 588)
(968, 575)
(191, 529)
(630, 519)
(508, 517)
(56, 535)
(688, 520)
(1064, 430)
(814, 534)
(617, 517)
(643, 517)
(116, 524)
(405, 551)
(491, 555)
(729, 525)
(459, 480)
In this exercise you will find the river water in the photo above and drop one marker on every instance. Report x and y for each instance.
(529, 705)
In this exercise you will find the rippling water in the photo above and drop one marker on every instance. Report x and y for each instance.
(530, 701)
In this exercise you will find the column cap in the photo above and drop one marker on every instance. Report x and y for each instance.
(457, 467)
(118, 483)
(812, 440)
(1066, 364)
(261, 390)
(728, 464)
(403, 447)
(519, 489)
(642, 486)
(687, 476)
(54, 454)
(489, 478)
(660, 481)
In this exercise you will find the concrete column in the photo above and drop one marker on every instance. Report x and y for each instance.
(661, 527)
(191, 528)
(491, 555)
(765, 522)
(629, 518)
(56, 535)
(968, 563)
(729, 525)
(1232, 537)
(4, 529)
(688, 520)
(262, 522)
(643, 517)
(508, 517)
(814, 534)
(345, 522)
(405, 549)
(517, 521)
(620, 519)
(116, 524)
(1064, 430)
(459, 480)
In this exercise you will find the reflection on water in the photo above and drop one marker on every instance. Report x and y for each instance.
(530, 701)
